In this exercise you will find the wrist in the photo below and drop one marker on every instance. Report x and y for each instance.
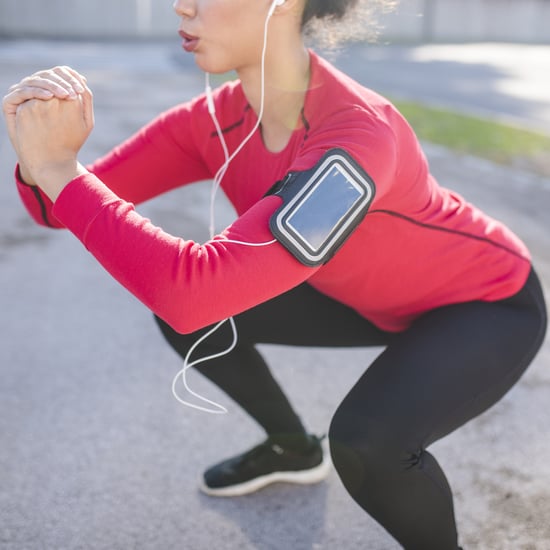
(52, 178)
(24, 176)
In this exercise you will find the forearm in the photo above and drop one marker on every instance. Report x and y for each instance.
(52, 178)
(37, 202)
(187, 284)
(23, 174)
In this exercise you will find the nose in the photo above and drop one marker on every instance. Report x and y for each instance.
(184, 8)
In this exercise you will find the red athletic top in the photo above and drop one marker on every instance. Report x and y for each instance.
(420, 246)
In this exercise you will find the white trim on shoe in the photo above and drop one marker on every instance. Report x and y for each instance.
(302, 477)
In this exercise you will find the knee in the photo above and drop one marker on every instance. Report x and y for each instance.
(180, 342)
(163, 325)
(215, 342)
(366, 452)
(348, 449)
(166, 330)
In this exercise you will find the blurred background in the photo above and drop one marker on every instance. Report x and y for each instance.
(414, 20)
(95, 453)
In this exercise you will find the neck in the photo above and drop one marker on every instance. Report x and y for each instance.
(286, 84)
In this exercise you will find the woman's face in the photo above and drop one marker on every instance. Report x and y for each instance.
(223, 35)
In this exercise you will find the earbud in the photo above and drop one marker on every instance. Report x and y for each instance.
(274, 5)
(187, 363)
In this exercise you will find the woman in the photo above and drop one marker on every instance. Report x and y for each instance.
(449, 292)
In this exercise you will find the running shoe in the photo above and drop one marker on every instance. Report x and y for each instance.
(264, 464)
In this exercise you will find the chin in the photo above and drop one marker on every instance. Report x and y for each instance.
(212, 66)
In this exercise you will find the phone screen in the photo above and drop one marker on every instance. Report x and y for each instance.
(324, 208)
(321, 207)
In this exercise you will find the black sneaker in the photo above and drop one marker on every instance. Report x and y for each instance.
(265, 464)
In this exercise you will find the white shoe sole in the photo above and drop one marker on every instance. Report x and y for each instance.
(301, 477)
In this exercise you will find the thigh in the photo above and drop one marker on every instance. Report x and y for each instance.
(450, 366)
(305, 317)
(300, 317)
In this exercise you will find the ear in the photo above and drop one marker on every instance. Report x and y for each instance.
(274, 5)
(283, 6)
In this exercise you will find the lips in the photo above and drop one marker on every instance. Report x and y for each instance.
(190, 42)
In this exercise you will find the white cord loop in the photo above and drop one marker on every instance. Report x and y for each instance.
(216, 408)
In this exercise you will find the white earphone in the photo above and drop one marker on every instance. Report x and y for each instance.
(274, 6)
(213, 407)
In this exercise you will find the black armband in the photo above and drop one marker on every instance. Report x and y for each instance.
(321, 207)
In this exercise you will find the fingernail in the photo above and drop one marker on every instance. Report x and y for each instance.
(79, 89)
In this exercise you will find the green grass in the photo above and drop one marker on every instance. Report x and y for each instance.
(480, 137)
(495, 141)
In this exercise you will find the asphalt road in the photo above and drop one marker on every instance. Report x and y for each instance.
(510, 82)
(94, 451)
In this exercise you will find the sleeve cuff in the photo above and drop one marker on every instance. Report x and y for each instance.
(81, 201)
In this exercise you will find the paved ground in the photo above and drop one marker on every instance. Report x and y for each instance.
(94, 451)
(505, 81)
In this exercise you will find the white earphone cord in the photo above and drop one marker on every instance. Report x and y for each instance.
(187, 363)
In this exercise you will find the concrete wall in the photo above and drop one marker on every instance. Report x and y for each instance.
(87, 18)
(470, 21)
(414, 20)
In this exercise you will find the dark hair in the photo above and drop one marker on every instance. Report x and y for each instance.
(323, 9)
(329, 23)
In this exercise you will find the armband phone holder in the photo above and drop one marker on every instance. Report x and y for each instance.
(321, 207)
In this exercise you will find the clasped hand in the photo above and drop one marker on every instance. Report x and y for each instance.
(49, 116)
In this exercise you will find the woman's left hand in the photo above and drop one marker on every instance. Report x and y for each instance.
(50, 134)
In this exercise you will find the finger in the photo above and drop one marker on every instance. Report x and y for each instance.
(49, 81)
(76, 77)
(61, 80)
(71, 77)
(19, 96)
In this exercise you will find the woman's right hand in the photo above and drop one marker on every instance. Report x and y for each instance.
(60, 82)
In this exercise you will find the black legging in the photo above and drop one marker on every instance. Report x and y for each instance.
(448, 367)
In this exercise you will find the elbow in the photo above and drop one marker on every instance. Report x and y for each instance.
(178, 323)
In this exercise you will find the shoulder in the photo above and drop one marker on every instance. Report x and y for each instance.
(342, 112)
(335, 96)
